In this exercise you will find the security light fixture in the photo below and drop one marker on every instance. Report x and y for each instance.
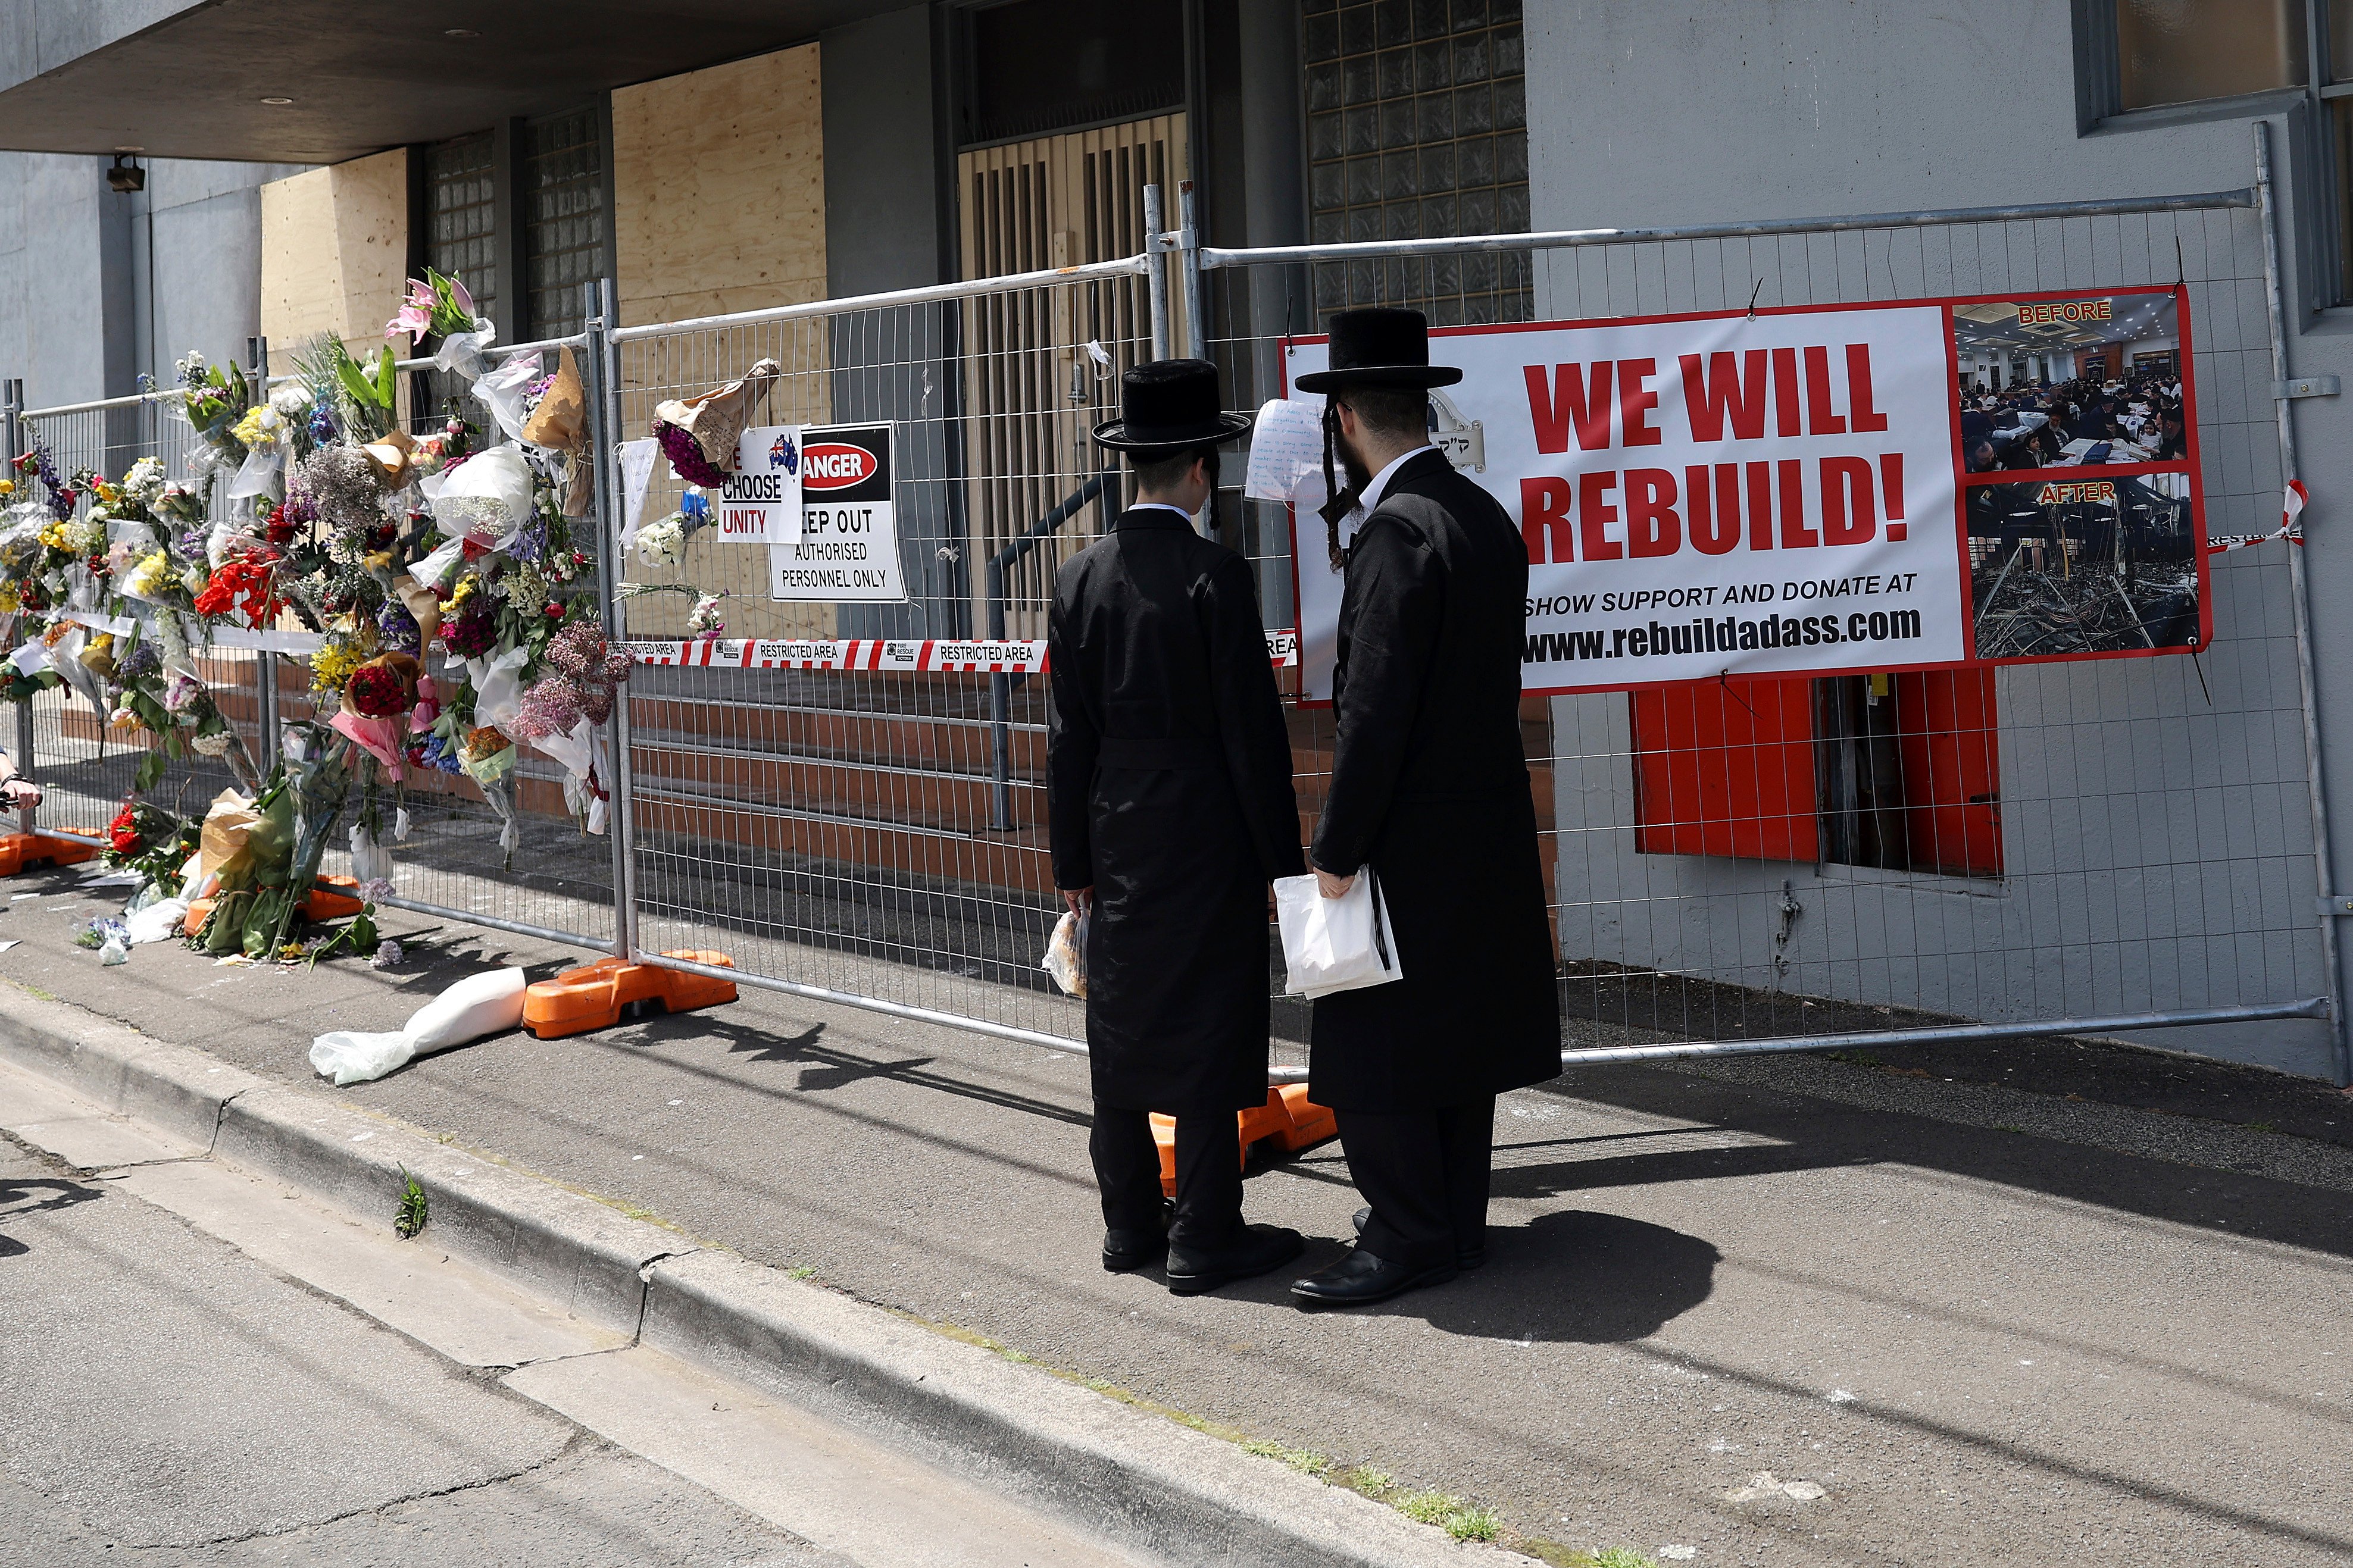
(277, 101)
(459, 33)
(124, 178)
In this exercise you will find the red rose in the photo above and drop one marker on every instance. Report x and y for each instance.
(555, 611)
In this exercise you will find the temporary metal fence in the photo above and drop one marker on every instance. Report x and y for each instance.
(876, 835)
(2157, 829)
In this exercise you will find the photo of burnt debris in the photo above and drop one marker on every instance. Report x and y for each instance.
(2102, 566)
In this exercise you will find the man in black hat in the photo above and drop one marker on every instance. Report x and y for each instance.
(1168, 780)
(1429, 788)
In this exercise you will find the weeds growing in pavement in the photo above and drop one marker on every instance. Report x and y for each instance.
(1306, 1461)
(1622, 1557)
(1426, 1507)
(1473, 1524)
(411, 1215)
(1369, 1480)
(801, 1273)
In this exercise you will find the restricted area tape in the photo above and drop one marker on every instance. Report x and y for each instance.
(940, 655)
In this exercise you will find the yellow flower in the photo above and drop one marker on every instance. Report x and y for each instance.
(146, 580)
(331, 667)
(259, 428)
(108, 493)
(8, 487)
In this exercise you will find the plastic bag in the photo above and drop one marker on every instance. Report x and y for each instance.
(477, 1006)
(158, 922)
(1066, 954)
(1335, 944)
(497, 688)
(486, 499)
(502, 391)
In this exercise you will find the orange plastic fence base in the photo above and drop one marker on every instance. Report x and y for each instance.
(1289, 1120)
(23, 851)
(598, 996)
(325, 903)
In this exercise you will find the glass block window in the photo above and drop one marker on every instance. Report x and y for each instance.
(1417, 127)
(461, 217)
(564, 219)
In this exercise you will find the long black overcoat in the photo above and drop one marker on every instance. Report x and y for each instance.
(1169, 784)
(1429, 787)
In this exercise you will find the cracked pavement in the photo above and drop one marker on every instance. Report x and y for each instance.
(166, 1399)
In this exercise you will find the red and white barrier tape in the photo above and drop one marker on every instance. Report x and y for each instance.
(2290, 514)
(940, 655)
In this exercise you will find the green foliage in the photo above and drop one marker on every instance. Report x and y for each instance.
(1369, 1480)
(1473, 1524)
(409, 1219)
(1428, 1508)
(1306, 1461)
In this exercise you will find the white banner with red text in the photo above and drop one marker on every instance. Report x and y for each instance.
(1782, 492)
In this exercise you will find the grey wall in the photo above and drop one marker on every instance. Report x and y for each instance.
(884, 225)
(886, 169)
(2158, 846)
(97, 289)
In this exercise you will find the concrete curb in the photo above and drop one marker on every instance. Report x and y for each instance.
(1129, 1477)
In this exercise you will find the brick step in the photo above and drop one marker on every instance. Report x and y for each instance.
(1013, 862)
(938, 742)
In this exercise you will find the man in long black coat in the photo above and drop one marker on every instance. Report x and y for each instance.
(1169, 779)
(1429, 788)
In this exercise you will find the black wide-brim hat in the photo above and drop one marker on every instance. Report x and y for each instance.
(1378, 346)
(1170, 407)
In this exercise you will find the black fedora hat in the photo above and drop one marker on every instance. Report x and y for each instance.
(1379, 346)
(1168, 407)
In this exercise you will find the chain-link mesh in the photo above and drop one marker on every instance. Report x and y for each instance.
(1767, 857)
(874, 833)
(85, 766)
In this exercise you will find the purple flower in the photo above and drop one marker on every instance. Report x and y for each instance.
(375, 890)
(686, 456)
(388, 954)
(400, 630)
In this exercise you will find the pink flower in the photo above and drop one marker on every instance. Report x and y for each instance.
(459, 297)
(415, 316)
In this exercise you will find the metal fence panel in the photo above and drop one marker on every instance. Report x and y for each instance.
(2156, 839)
(876, 834)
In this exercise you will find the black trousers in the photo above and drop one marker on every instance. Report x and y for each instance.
(1425, 1174)
(1208, 1175)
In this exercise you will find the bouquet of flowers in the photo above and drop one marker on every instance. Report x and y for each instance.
(439, 305)
(150, 841)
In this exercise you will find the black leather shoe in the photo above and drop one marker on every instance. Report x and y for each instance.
(1360, 1279)
(1255, 1249)
(1464, 1257)
(1126, 1250)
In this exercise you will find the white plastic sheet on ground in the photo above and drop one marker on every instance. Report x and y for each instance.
(475, 1008)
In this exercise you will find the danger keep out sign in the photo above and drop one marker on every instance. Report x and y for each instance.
(847, 547)
(1703, 496)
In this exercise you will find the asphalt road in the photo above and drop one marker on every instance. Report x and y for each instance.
(1990, 1325)
(166, 1399)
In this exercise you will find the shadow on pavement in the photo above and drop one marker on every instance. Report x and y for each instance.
(38, 1195)
(1808, 1135)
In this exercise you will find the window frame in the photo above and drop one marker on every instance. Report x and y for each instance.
(2315, 171)
(510, 232)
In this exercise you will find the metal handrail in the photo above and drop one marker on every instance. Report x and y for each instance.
(1000, 687)
(973, 289)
